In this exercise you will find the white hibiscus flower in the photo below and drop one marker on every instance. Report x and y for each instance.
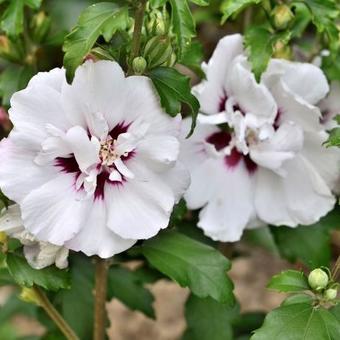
(93, 165)
(256, 156)
(38, 254)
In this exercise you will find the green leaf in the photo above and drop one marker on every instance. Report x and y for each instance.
(244, 324)
(230, 7)
(12, 21)
(324, 14)
(13, 79)
(49, 278)
(200, 2)
(310, 244)
(104, 19)
(334, 138)
(297, 298)
(191, 264)
(261, 237)
(297, 322)
(260, 43)
(174, 89)
(183, 23)
(77, 303)
(208, 319)
(125, 285)
(289, 281)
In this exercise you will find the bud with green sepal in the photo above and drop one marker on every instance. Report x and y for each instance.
(40, 26)
(318, 279)
(29, 295)
(282, 16)
(158, 22)
(139, 65)
(158, 51)
(9, 50)
(330, 294)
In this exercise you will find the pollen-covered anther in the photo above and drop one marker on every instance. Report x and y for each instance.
(108, 153)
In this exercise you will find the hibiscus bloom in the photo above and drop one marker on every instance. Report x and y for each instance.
(256, 156)
(93, 165)
(330, 106)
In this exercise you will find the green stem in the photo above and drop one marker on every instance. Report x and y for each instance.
(55, 316)
(137, 33)
(102, 267)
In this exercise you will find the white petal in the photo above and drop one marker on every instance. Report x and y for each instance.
(105, 243)
(284, 145)
(211, 92)
(18, 173)
(139, 208)
(52, 212)
(55, 79)
(330, 107)
(43, 254)
(162, 151)
(251, 97)
(97, 87)
(301, 197)
(295, 109)
(115, 176)
(178, 179)
(85, 151)
(325, 160)
(230, 207)
(123, 169)
(10, 220)
(303, 79)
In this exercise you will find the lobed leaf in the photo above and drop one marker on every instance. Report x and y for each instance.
(230, 7)
(289, 281)
(174, 89)
(104, 18)
(192, 264)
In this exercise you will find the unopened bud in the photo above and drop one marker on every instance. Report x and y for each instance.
(40, 25)
(29, 295)
(4, 119)
(3, 237)
(139, 65)
(282, 51)
(331, 294)
(157, 23)
(318, 279)
(4, 44)
(158, 51)
(282, 16)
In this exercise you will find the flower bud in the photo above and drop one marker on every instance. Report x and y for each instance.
(282, 51)
(318, 279)
(331, 294)
(29, 295)
(3, 237)
(9, 50)
(4, 119)
(282, 16)
(157, 23)
(158, 51)
(40, 25)
(139, 65)
(4, 45)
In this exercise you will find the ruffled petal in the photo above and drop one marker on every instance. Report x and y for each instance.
(140, 207)
(230, 207)
(286, 142)
(53, 212)
(212, 92)
(105, 243)
(303, 79)
(19, 175)
(253, 99)
(97, 87)
(301, 197)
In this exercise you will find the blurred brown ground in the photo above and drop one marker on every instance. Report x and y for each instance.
(250, 275)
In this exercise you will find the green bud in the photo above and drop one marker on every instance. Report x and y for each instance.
(158, 51)
(40, 26)
(156, 24)
(282, 51)
(318, 279)
(9, 50)
(331, 294)
(29, 295)
(282, 16)
(139, 65)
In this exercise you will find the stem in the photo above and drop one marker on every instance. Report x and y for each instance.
(46, 304)
(137, 32)
(102, 267)
(336, 269)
